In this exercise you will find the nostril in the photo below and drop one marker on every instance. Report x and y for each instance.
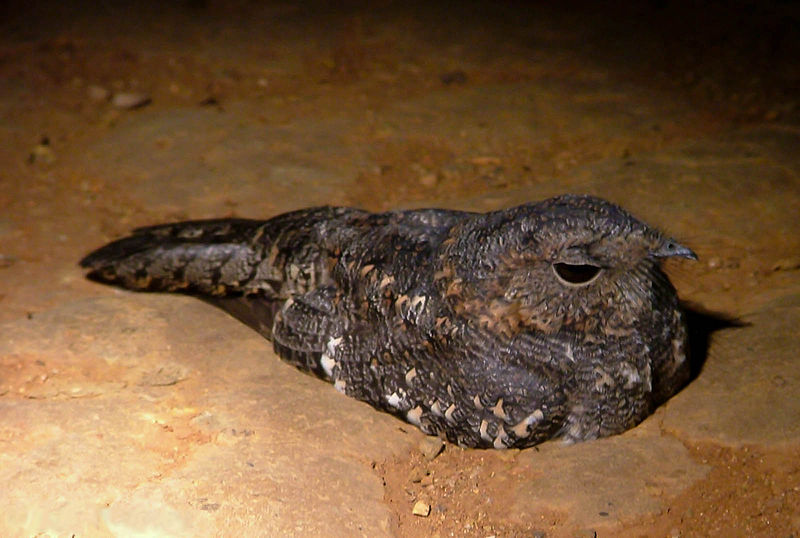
(670, 248)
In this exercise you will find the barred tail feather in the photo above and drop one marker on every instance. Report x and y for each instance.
(274, 259)
(212, 257)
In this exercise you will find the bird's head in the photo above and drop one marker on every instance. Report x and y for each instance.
(571, 262)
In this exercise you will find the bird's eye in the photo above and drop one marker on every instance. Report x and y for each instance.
(575, 275)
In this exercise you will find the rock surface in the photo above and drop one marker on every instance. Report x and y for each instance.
(147, 415)
(141, 428)
(753, 378)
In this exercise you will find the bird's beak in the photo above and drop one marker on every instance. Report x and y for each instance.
(670, 248)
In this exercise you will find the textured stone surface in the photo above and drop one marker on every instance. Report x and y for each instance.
(131, 415)
(607, 482)
(161, 415)
(749, 385)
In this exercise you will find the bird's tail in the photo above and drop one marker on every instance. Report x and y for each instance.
(219, 258)
(214, 257)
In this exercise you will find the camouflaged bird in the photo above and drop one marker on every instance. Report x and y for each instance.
(502, 329)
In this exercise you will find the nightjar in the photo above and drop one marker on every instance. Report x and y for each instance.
(500, 329)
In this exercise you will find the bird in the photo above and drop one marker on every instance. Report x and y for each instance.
(504, 329)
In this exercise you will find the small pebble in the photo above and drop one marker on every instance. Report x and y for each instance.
(421, 509)
(428, 180)
(719, 263)
(130, 101)
(98, 93)
(431, 447)
(42, 153)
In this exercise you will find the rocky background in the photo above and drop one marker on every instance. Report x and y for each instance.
(146, 415)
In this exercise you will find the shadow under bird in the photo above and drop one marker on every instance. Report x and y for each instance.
(500, 329)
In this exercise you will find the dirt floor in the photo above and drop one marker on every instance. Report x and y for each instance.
(118, 115)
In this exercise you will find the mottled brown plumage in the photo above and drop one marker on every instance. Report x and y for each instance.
(498, 330)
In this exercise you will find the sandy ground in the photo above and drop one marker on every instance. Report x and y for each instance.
(131, 415)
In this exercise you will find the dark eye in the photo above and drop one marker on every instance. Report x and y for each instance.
(575, 274)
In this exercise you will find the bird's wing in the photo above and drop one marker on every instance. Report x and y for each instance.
(305, 325)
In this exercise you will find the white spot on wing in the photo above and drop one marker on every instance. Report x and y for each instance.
(340, 385)
(448, 414)
(327, 364)
(483, 430)
(498, 410)
(632, 378)
(393, 400)
(500, 440)
(411, 374)
(398, 304)
(333, 343)
(414, 415)
(521, 429)
(436, 409)
(602, 379)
